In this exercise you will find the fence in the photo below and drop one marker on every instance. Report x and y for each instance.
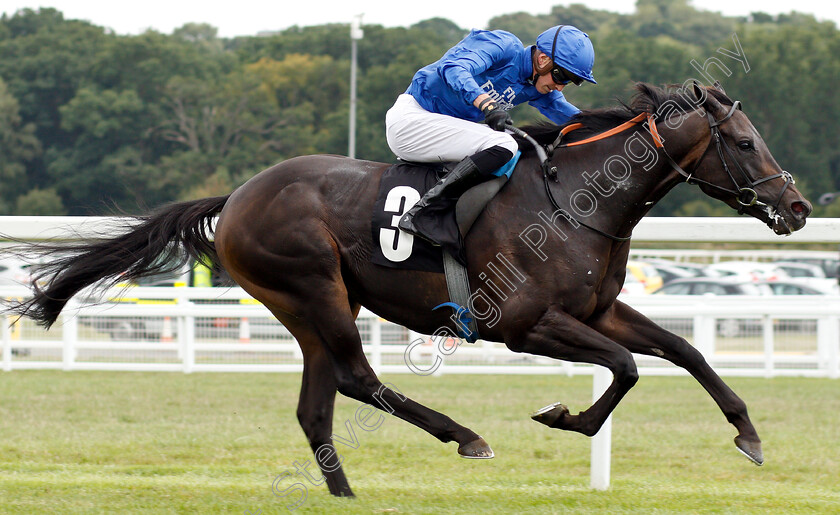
(223, 329)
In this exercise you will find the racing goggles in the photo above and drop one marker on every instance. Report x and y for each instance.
(562, 76)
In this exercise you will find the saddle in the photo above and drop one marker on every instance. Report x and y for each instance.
(450, 221)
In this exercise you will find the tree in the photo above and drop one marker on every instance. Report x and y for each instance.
(37, 202)
(147, 62)
(444, 29)
(141, 120)
(796, 117)
(202, 34)
(328, 40)
(677, 19)
(231, 124)
(97, 124)
(27, 22)
(44, 64)
(18, 145)
(303, 99)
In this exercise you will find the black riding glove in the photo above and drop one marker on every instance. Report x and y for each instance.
(494, 116)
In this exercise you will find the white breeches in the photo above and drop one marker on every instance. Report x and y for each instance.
(415, 134)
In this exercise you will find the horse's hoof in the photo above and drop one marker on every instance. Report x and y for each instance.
(751, 449)
(550, 414)
(476, 450)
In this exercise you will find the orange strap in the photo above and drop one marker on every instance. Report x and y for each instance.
(569, 128)
(657, 140)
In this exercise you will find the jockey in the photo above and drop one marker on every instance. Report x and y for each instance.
(481, 78)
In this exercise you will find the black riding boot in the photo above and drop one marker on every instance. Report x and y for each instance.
(451, 182)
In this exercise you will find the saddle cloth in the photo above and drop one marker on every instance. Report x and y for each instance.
(449, 220)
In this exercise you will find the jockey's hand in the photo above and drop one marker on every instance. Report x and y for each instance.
(495, 117)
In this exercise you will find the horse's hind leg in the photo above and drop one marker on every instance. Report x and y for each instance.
(640, 335)
(334, 322)
(315, 408)
(334, 360)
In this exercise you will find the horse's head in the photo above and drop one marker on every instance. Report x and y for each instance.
(737, 167)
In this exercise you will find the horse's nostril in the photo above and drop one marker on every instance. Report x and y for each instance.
(800, 208)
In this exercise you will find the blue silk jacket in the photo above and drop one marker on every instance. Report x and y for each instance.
(493, 62)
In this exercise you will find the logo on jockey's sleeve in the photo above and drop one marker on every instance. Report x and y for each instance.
(505, 98)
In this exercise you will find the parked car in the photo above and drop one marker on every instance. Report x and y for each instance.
(803, 287)
(727, 327)
(669, 272)
(11, 272)
(794, 269)
(750, 270)
(830, 266)
(646, 274)
(714, 286)
(691, 269)
(807, 275)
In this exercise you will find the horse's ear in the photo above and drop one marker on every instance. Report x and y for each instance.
(719, 87)
(708, 102)
(699, 92)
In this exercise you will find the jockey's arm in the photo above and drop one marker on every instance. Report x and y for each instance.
(481, 98)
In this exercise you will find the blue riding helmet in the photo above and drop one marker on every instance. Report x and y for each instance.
(569, 48)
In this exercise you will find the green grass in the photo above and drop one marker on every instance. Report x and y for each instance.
(101, 442)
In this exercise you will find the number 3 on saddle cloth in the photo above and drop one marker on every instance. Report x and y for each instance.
(449, 220)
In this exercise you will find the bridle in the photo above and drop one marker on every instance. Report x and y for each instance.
(746, 196)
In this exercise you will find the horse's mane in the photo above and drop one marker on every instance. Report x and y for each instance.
(648, 98)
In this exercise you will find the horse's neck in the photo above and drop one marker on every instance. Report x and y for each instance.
(652, 175)
(621, 198)
(625, 186)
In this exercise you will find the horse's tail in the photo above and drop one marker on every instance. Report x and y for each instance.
(159, 242)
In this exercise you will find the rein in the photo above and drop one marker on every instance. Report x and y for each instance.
(746, 196)
(549, 170)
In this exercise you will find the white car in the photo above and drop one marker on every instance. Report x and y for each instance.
(801, 269)
(804, 286)
(751, 270)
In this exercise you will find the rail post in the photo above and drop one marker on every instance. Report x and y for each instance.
(186, 331)
(69, 336)
(376, 344)
(769, 345)
(828, 345)
(599, 466)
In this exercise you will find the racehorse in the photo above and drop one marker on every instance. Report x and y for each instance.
(298, 238)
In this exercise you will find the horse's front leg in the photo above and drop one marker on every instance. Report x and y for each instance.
(640, 335)
(560, 336)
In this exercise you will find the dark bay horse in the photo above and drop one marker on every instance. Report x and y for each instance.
(298, 238)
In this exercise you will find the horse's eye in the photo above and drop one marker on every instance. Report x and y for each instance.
(746, 145)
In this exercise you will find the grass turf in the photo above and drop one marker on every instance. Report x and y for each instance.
(105, 442)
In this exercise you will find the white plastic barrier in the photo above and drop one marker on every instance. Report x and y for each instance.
(214, 329)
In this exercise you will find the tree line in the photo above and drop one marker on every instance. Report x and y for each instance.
(92, 121)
